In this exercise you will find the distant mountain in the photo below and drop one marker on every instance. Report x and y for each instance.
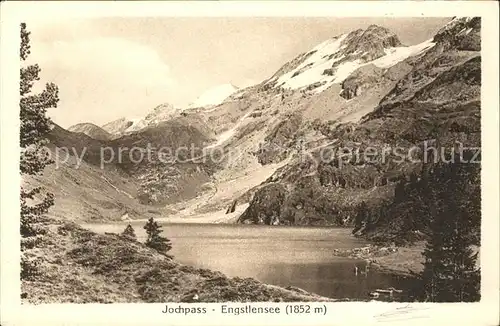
(91, 130)
(117, 127)
(214, 96)
(168, 180)
(159, 114)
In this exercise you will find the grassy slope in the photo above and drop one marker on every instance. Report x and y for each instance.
(80, 266)
(409, 258)
(402, 261)
(88, 193)
(392, 259)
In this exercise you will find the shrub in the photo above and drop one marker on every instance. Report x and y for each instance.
(155, 240)
(129, 233)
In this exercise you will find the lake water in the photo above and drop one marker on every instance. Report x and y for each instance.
(279, 255)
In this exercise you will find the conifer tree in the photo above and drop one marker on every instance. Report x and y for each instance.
(155, 240)
(361, 217)
(399, 191)
(129, 233)
(411, 205)
(33, 158)
(450, 273)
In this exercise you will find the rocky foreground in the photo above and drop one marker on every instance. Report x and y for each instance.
(80, 266)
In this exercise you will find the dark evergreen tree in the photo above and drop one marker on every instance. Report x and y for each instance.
(361, 217)
(410, 205)
(450, 273)
(33, 158)
(399, 191)
(155, 240)
(129, 233)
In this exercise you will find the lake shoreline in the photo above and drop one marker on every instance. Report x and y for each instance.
(77, 265)
(401, 261)
(387, 259)
(194, 221)
(270, 253)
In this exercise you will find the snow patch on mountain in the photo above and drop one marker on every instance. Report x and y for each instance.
(328, 64)
(117, 127)
(159, 114)
(214, 96)
(396, 55)
(137, 124)
(311, 70)
(225, 136)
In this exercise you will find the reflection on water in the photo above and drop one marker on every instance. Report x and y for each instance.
(335, 279)
(297, 256)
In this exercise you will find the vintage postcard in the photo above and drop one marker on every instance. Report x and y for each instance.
(222, 163)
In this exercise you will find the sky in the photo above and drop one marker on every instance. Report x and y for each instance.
(109, 68)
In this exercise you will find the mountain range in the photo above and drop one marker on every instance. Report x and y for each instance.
(363, 88)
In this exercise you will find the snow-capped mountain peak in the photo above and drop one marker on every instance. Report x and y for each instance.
(160, 113)
(214, 96)
(332, 61)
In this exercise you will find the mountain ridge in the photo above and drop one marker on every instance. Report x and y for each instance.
(91, 130)
(440, 91)
(268, 137)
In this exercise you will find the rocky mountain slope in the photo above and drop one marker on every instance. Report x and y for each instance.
(117, 127)
(84, 191)
(437, 98)
(334, 60)
(159, 114)
(263, 145)
(106, 179)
